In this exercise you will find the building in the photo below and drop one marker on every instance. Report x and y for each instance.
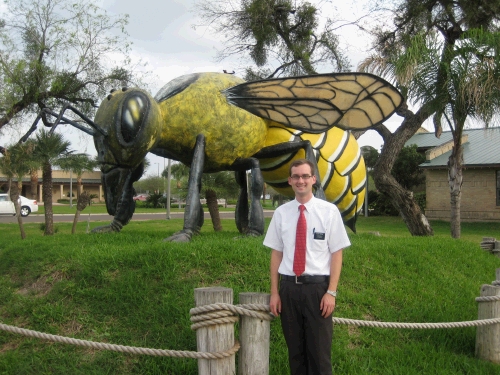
(62, 181)
(481, 174)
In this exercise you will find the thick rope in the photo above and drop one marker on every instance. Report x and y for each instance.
(217, 314)
(121, 348)
(367, 323)
(225, 313)
(222, 313)
(253, 310)
(487, 298)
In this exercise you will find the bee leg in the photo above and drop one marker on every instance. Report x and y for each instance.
(119, 193)
(249, 222)
(193, 212)
(241, 211)
(292, 147)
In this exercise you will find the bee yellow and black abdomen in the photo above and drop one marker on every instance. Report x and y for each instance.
(340, 165)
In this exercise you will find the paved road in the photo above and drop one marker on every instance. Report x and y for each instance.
(58, 218)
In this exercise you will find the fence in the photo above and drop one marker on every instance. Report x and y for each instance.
(214, 317)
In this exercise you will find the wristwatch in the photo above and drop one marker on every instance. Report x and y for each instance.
(333, 293)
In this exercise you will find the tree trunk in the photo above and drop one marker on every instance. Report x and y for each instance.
(14, 197)
(78, 186)
(47, 199)
(455, 179)
(402, 199)
(83, 201)
(213, 208)
(34, 184)
(75, 221)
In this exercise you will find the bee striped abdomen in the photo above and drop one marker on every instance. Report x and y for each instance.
(340, 164)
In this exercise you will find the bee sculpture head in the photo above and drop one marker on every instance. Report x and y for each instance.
(128, 118)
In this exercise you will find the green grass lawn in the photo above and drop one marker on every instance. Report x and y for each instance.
(130, 288)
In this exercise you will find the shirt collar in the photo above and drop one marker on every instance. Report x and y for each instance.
(308, 204)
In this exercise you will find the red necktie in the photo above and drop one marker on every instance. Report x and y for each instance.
(299, 259)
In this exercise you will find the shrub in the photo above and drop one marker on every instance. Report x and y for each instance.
(155, 200)
(380, 204)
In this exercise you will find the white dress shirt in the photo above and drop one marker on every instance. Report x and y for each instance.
(326, 234)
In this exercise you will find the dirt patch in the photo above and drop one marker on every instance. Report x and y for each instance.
(42, 286)
(71, 328)
(9, 346)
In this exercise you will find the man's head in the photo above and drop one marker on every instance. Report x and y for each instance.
(298, 162)
(302, 179)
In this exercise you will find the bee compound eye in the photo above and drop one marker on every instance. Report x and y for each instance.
(134, 112)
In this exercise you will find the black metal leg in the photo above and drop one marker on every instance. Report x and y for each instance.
(241, 212)
(249, 222)
(119, 194)
(193, 212)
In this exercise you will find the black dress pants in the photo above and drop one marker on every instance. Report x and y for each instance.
(307, 334)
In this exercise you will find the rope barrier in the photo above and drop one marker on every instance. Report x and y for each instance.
(487, 298)
(368, 323)
(222, 313)
(217, 314)
(121, 348)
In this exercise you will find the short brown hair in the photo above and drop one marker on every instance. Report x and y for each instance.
(298, 162)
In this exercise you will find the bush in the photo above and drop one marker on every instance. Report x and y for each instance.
(155, 200)
(420, 198)
(380, 205)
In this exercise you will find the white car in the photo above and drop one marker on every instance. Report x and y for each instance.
(7, 206)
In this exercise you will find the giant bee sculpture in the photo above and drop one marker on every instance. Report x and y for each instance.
(213, 122)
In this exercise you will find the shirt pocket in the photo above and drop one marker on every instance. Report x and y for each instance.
(320, 243)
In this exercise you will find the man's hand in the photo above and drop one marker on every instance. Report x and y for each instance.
(275, 304)
(327, 305)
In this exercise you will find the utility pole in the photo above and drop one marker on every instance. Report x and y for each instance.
(169, 172)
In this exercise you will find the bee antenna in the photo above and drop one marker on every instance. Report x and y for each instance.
(60, 119)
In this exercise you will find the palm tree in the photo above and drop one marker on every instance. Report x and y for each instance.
(15, 164)
(179, 171)
(49, 148)
(453, 80)
(77, 163)
(83, 201)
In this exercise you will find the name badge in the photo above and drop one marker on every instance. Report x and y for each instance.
(319, 236)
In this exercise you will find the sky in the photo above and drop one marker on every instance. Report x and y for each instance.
(163, 36)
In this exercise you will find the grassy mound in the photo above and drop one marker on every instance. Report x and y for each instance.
(133, 289)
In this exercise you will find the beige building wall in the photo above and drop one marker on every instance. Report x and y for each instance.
(61, 185)
(478, 195)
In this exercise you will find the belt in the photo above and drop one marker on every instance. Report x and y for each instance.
(306, 279)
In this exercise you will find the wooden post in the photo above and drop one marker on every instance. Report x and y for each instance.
(216, 338)
(488, 337)
(254, 338)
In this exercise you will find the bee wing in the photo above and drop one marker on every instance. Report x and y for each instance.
(316, 103)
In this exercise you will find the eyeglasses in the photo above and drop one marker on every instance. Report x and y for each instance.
(296, 177)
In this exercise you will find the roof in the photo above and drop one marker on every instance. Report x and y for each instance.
(482, 149)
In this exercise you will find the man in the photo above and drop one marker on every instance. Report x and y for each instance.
(303, 291)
